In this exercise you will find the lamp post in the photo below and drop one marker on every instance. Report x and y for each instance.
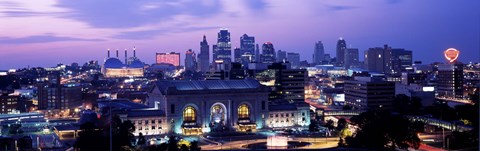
(111, 138)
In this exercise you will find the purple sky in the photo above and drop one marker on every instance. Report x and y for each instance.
(47, 32)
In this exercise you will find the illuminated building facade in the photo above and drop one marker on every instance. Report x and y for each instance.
(170, 58)
(288, 115)
(247, 49)
(114, 68)
(268, 53)
(222, 51)
(195, 107)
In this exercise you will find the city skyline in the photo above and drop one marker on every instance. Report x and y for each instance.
(79, 32)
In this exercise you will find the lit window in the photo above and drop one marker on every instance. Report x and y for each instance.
(189, 114)
(243, 111)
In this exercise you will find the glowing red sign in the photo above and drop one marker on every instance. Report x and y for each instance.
(451, 54)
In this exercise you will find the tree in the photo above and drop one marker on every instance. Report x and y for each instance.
(313, 127)
(194, 146)
(344, 133)
(89, 138)
(379, 130)
(172, 143)
(122, 133)
(442, 111)
(141, 139)
(341, 142)
(184, 147)
(341, 124)
(329, 124)
(406, 105)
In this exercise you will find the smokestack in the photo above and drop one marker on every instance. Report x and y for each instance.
(117, 53)
(108, 53)
(125, 55)
(134, 53)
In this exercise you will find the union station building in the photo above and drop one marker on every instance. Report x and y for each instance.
(195, 107)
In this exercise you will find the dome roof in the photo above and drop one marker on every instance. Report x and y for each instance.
(113, 63)
(136, 64)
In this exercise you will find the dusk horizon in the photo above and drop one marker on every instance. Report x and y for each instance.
(45, 33)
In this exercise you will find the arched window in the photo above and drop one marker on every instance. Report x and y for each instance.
(243, 111)
(189, 114)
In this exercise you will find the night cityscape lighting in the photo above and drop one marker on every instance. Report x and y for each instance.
(239, 75)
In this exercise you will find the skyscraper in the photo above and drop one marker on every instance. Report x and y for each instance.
(281, 55)
(450, 80)
(341, 46)
(204, 56)
(388, 60)
(318, 53)
(268, 53)
(257, 54)
(237, 55)
(351, 58)
(190, 61)
(222, 52)
(374, 59)
(294, 59)
(400, 60)
(247, 49)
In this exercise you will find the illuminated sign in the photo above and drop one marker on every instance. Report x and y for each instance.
(451, 54)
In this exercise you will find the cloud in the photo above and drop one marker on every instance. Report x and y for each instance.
(256, 4)
(147, 34)
(125, 14)
(41, 39)
(339, 7)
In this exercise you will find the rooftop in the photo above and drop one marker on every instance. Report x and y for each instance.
(185, 85)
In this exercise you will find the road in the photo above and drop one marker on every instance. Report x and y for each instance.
(317, 143)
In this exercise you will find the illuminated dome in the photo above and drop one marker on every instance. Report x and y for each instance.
(113, 63)
(136, 64)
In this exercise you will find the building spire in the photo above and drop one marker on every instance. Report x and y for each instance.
(134, 53)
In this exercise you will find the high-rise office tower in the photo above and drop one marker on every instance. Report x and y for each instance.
(281, 56)
(289, 84)
(369, 93)
(257, 54)
(387, 60)
(351, 58)
(341, 46)
(190, 61)
(294, 59)
(237, 55)
(374, 60)
(450, 80)
(318, 53)
(204, 56)
(247, 49)
(169, 58)
(268, 53)
(400, 60)
(222, 52)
